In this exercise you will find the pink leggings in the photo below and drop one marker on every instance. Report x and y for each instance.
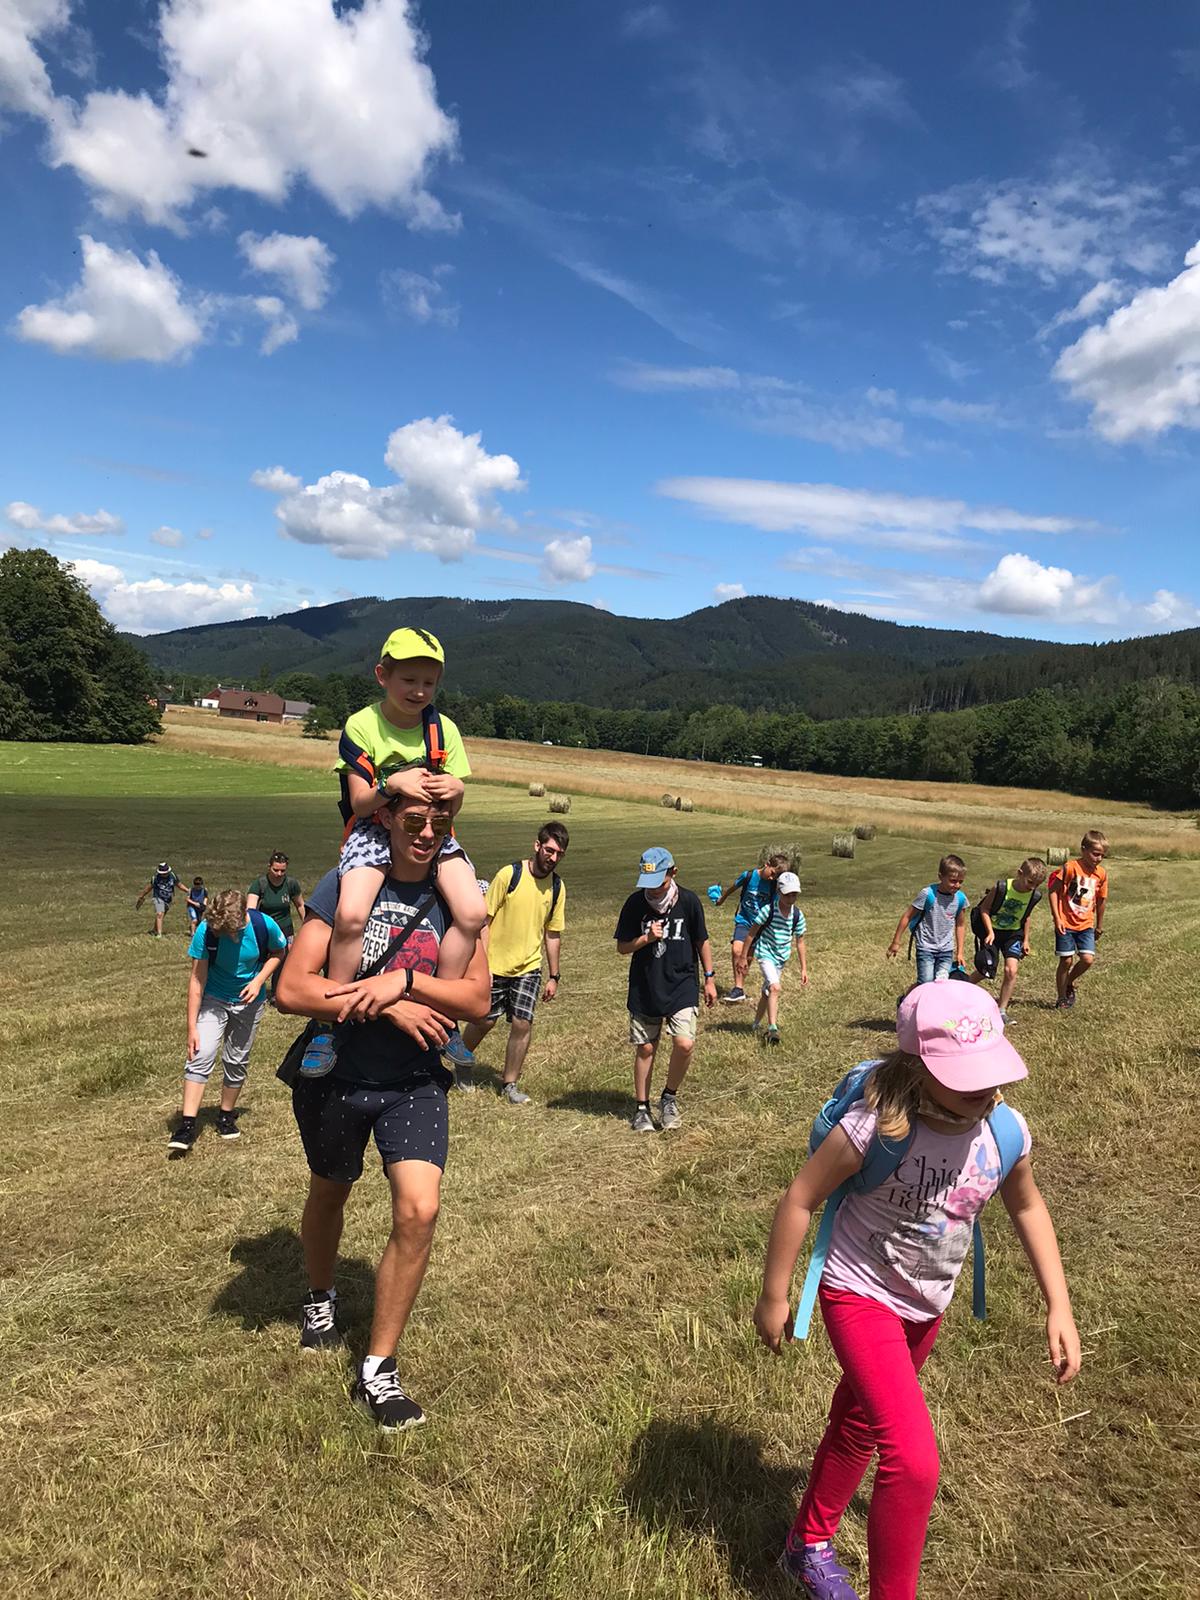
(877, 1406)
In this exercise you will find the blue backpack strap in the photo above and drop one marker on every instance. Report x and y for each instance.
(915, 922)
(259, 923)
(816, 1265)
(1010, 1142)
(515, 871)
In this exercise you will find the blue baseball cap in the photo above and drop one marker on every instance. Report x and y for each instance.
(654, 866)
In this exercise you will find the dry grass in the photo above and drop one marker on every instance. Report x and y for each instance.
(601, 1421)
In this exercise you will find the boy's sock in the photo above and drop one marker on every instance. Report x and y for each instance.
(370, 1366)
(643, 1105)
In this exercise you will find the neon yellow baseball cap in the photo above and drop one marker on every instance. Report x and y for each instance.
(412, 644)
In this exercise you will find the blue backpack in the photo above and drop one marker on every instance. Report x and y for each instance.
(258, 922)
(880, 1162)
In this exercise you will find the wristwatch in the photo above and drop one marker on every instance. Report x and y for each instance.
(552, 977)
(710, 975)
(408, 981)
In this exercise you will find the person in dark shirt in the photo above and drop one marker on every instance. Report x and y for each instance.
(661, 928)
(161, 889)
(277, 894)
(387, 1081)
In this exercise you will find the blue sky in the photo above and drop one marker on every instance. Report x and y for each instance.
(895, 308)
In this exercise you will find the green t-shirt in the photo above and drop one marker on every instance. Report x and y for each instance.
(392, 749)
(1010, 913)
(276, 901)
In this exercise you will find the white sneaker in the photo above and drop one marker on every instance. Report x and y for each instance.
(642, 1122)
(668, 1112)
(514, 1096)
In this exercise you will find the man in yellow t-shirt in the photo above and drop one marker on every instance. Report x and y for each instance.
(526, 905)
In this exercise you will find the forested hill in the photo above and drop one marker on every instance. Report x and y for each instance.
(758, 653)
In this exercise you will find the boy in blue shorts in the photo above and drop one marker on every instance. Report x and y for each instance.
(777, 928)
(1001, 920)
(757, 889)
(196, 900)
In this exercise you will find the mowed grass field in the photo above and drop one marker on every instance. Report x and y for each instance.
(602, 1422)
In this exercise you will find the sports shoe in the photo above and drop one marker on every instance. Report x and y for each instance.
(384, 1399)
(318, 1321)
(732, 996)
(319, 1056)
(227, 1126)
(455, 1047)
(1006, 1019)
(668, 1112)
(771, 1035)
(464, 1080)
(818, 1571)
(1069, 999)
(642, 1122)
(184, 1137)
(514, 1096)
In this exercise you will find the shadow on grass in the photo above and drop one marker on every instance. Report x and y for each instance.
(708, 1479)
(742, 1025)
(270, 1284)
(595, 1102)
(874, 1024)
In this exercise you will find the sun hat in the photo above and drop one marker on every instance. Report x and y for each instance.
(654, 866)
(789, 883)
(987, 960)
(412, 644)
(958, 1033)
(164, 866)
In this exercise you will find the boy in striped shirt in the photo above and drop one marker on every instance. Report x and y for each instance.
(778, 927)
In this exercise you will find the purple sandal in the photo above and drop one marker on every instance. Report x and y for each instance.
(818, 1571)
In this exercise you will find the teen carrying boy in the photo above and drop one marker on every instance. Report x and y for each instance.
(1001, 925)
(1078, 896)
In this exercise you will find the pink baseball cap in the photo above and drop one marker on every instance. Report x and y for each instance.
(957, 1031)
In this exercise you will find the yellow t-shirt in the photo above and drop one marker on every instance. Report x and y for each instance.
(391, 749)
(519, 920)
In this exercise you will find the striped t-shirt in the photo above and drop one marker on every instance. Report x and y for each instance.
(779, 928)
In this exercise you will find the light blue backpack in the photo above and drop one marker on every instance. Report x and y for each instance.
(882, 1158)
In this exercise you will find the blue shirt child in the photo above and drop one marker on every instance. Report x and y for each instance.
(236, 960)
(757, 892)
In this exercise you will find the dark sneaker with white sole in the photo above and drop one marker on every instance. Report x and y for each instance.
(464, 1080)
(817, 1570)
(318, 1322)
(734, 996)
(184, 1137)
(642, 1122)
(227, 1125)
(385, 1400)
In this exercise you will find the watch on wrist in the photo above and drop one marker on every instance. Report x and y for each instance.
(552, 977)
(408, 981)
(708, 975)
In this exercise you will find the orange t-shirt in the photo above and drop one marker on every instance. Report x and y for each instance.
(1081, 893)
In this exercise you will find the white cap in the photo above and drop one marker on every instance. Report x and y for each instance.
(789, 883)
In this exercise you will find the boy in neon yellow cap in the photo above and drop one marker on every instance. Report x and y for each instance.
(400, 747)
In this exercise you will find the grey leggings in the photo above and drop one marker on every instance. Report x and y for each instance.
(227, 1026)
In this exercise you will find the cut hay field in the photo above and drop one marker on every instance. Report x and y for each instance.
(602, 1422)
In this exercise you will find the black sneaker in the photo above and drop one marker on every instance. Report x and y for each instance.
(227, 1125)
(184, 1137)
(318, 1322)
(385, 1400)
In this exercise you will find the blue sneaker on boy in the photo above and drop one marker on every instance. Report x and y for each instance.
(320, 1053)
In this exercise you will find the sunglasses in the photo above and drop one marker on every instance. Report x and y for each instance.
(414, 825)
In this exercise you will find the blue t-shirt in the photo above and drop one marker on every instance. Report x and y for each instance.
(779, 928)
(196, 901)
(235, 962)
(757, 892)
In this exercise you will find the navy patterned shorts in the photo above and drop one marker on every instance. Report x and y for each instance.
(336, 1120)
(368, 844)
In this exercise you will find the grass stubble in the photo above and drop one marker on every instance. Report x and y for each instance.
(601, 1420)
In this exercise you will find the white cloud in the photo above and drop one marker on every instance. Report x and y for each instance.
(282, 328)
(170, 538)
(858, 516)
(277, 480)
(24, 81)
(420, 297)
(656, 380)
(1090, 303)
(568, 560)
(122, 309)
(1140, 370)
(300, 263)
(729, 591)
(30, 520)
(1020, 586)
(948, 365)
(152, 605)
(271, 93)
(1069, 226)
(447, 492)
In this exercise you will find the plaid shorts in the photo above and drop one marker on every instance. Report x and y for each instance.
(368, 844)
(515, 998)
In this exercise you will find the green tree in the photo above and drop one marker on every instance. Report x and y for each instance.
(298, 686)
(64, 671)
(318, 721)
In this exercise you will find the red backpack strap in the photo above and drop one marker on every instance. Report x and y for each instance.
(435, 744)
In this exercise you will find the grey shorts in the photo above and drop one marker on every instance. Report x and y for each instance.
(680, 1025)
(161, 907)
(368, 844)
(227, 1028)
(515, 998)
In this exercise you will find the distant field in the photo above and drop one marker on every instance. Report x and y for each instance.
(602, 1423)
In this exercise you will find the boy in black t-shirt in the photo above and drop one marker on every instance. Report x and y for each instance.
(661, 927)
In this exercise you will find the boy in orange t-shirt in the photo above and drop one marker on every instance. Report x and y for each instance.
(1078, 896)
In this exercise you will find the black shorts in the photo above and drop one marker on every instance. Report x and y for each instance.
(336, 1119)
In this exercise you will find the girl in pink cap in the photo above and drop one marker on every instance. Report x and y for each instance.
(893, 1259)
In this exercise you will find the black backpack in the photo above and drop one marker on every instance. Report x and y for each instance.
(258, 922)
(518, 867)
(999, 894)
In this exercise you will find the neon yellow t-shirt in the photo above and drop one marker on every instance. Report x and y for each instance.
(520, 919)
(392, 749)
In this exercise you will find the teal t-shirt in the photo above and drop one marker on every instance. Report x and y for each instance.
(779, 928)
(236, 961)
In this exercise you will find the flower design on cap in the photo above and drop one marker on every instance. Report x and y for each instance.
(969, 1030)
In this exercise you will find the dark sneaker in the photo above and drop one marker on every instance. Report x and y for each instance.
(732, 996)
(227, 1125)
(642, 1122)
(464, 1079)
(1069, 999)
(386, 1401)
(819, 1573)
(514, 1096)
(319, 1056)
(455, 1047)
(771, 1036)
(184, 1137)
(318, 1322)
(668, 1112)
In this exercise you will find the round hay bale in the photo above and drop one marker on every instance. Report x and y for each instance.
(668, 802)
(843, 845)
(560, 803)
(864, 830)
(790, 849)
(537, 790)
(1057, 855)
(683, 804)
